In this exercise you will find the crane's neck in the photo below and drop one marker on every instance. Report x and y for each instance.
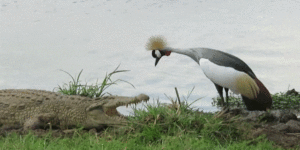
(194, 54)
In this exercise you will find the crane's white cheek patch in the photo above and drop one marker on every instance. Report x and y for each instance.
(157, 53)
(225, 76)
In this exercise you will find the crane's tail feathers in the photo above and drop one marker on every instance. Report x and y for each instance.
(263, 101)
(247, 86)
(264, 94)
(156, 43)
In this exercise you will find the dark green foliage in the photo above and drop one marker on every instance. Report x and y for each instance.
(283, 101)
(280, 101)
(234, 101)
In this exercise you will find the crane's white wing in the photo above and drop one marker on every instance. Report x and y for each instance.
(237, 81)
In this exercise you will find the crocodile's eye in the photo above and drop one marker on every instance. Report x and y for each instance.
(94, 106)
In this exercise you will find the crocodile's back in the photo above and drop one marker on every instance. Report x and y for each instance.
(19, 105)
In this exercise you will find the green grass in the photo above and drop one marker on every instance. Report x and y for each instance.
(92, 142)
(159, 126)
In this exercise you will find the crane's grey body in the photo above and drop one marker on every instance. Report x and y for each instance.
(224, 59)
(217, 57)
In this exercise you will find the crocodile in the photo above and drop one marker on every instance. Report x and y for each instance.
(30, 109)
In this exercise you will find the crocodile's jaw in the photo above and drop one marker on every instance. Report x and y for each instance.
(107, 114)
(125, 101)
(110, 107)
(98, 119)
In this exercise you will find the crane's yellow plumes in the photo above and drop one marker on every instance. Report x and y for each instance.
(247, 86)
(156, 43)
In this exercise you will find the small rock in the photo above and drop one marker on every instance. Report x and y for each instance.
(281, 127)
(294, 126)
(286, 117)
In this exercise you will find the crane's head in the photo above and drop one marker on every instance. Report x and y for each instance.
(158, 46)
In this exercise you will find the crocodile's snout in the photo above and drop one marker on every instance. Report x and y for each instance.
(142, 97)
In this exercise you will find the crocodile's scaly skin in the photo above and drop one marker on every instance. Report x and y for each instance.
(32, 109)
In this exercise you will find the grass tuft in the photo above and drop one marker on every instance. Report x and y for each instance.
(74, 87)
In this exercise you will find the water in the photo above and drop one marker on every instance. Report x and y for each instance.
(38, 38)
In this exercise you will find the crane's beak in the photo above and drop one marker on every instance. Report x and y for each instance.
(156, 60)
(158, 54)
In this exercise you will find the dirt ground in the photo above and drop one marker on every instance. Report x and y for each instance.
(280, 138)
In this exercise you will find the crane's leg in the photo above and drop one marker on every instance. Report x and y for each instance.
(226, 91)
(220, 91)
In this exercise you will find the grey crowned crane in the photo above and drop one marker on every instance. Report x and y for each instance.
(223, 69)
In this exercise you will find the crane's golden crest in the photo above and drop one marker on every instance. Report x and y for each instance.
(156, 43)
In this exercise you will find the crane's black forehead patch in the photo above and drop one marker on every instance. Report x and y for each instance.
(153, 54)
